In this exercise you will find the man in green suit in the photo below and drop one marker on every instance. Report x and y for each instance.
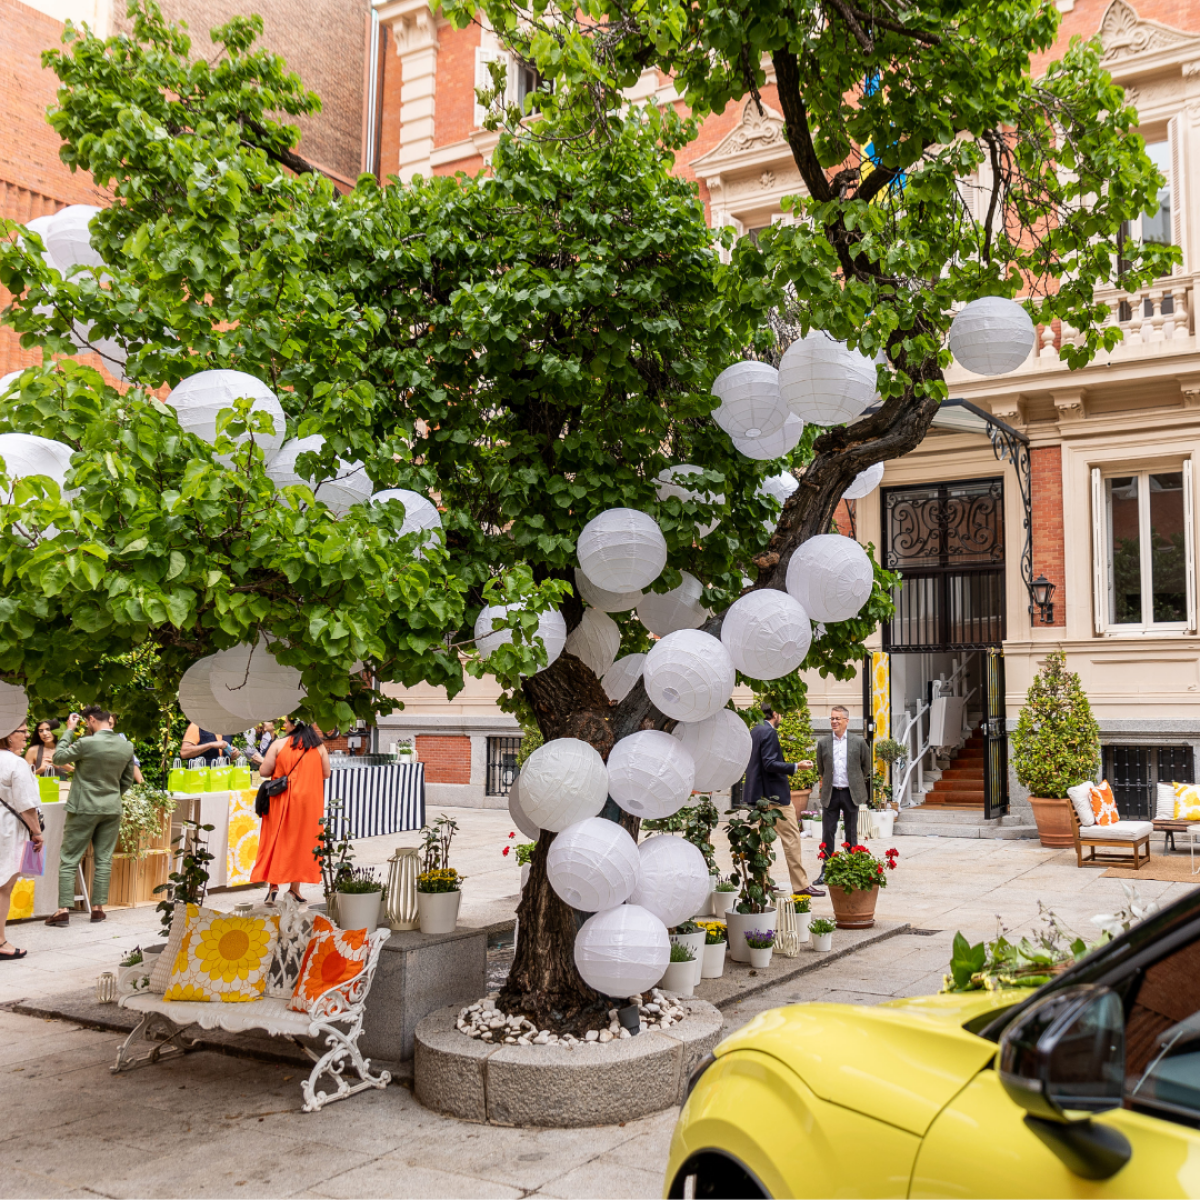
(104, 772)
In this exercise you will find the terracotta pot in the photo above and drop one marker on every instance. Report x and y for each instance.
(853, 910)
(1053, 819)
(800, 799)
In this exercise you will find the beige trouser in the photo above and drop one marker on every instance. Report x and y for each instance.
(789, 838)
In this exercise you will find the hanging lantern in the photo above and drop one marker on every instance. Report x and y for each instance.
(680, 608)
(622, 550)
(831, 576)
(519, 817)
(720, 749)
(68, 237)
(551, 632)
(249, 682)
(670, 483)
(688, 675)
(595, 640)
(112, 353)
(767, 634)
(9, 380)
(864, 483)
(593, 865)
(774, 445)
(825, 383)
(403, 868)
(623, 951)
(419, 512)
(992, 336)
(563, 782)
(348, 486)
(674, 882)
(650, 774)
(619, 679)
(14, 706)
(200, 705)
(199, 398)
(597, 597)
(26, 454)
(750, 406)
(779, 487)
(41, 226)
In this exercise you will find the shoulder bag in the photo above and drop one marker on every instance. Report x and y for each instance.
(272, 787)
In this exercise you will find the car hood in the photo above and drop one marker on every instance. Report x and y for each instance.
(899, 1062)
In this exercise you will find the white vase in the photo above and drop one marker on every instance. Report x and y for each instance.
(803, 921)
(713, 966)
(359, 910)
(737, 924)
(822, 941)
(695, 943)
(886, 821)
(760, 960)
(439, 911)
(677, 979)
(721, 903)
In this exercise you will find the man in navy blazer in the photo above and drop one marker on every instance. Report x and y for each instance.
(767, 776)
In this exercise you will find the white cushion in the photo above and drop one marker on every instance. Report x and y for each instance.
(1081, 796)
(1164, 802)
(1122, 831)
(270, 1014)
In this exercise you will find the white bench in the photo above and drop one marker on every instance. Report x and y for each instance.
(336, 1018)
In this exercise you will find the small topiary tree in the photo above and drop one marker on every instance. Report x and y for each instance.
(1057, 742)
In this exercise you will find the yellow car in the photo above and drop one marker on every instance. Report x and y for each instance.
(1089, 1086)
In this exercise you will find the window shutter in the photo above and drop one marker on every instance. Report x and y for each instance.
(1178, 183)
(1189, 541)
(1099, 561)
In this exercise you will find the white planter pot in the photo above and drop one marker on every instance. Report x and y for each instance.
(677, 979)
(695, 943)
(359, 910)
(810, 827)
(439, 911)
(713, 966)
(822, 941)
(737, 923)
(803, 921)
(524, 875)
(721, 903)
(760, 960)
(885, 822)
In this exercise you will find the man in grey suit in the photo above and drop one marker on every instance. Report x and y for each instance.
(844, 762)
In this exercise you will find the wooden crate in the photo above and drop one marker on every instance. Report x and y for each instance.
(159, 842)
(134, 880)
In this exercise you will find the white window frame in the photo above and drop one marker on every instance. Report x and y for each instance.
(1102, 551)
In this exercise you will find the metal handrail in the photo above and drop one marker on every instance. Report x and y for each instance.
(915, 739)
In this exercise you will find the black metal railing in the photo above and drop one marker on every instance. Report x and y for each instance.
(501, 764)
(1133, 773)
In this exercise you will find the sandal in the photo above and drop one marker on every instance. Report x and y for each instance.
(299, 900)
(14, 955)
(270, 900)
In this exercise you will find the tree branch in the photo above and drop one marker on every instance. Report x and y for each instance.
(860, 34)
(795, 115)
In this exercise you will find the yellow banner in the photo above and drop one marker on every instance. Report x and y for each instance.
(243, 836)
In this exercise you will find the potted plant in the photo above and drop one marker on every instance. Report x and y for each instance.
(810, 821)
(723, 895)
(822, 933)
(854, 878)
(798, 745)
(439, 886)
(714, 950)
(760, 943)
(803, 909)
(333, 855)
(678, 977)
(1055, 745)
(404, 751)
(750, 839)
(691, 935)
(359, 898)
(524, 858)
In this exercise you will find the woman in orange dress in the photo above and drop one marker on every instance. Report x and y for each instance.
(289, 830)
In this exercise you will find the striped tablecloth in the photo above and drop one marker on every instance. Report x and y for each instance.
(378, 800)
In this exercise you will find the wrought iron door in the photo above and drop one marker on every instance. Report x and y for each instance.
(868, 699)
(995, 738)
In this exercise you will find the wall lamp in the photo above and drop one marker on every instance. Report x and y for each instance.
(1041, 592)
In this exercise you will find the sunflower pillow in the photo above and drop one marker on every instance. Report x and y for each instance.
(223, 957)
(334, 956)
(1187, 802)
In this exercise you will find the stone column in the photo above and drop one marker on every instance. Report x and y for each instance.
(414, 28)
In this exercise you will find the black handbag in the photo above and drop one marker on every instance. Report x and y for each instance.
(269, 788)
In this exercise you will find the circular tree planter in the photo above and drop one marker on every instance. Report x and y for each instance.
(1053, 819)
(853, 910)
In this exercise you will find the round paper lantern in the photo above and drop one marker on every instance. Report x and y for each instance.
(26, 454)
(670, 483)
(992, 336)
(778, 487)
(619, 679)
(774, 445)
(593, 865)
(831, 576)
(680, 608)
(823, 382)
(8, 381)
(519, 816)
(419, 512)
(595, 640)
(249, 682)
(68, 237)
(650, 774)
(563, 782)
(112, 353)
(750, 406)
(720, 749)
(551, 632)
(622, 550)
(339, 492)
(199, 398)
(864, 483)
(14, 707)
(200, 705)
(597, 597)
(689, 675)
(623, 951)
(767, 634)
(41, 226)
(674, 882)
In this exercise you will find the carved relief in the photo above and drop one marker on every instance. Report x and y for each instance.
(755, 132)
(1124, 34)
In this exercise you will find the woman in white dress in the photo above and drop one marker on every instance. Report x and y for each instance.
(18, 822)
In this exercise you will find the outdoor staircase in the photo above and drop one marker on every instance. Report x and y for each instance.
(961, 783)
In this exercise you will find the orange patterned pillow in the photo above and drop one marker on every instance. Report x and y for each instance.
(334, 956)
(1104, 806)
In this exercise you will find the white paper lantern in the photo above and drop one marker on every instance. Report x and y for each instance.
(595, 640)
(674, 882)
(622, 952)
(200, 705)
(671, 483)
(551, 631)
(348, 486)
(111, 352)
(825, 383)
(597, 597)
(779, 487)
(620, 678)
(680, 608)
(751, 406)
(689, 675)
(68, 237)
(593, 865)
(622, 550)
(650, 774)
(14, 707)
(767, 634)
(720, 749)
(41, 226)
(563, 782)
(519, 816)
(774, 445)
(26, 454)
(249, 682)
(419, 512)
(864, 483)
(831, 576)
(992, 336)
(9, 380)
(199, 398)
